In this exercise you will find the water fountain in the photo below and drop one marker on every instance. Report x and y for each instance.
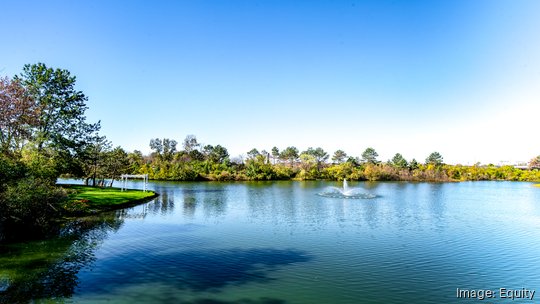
(346, 192)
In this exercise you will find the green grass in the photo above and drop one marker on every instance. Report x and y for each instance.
(86, 198)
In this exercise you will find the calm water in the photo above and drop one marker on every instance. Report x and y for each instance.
(280, 242)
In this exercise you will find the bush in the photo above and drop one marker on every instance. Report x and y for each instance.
(10, 170)
(28, 208)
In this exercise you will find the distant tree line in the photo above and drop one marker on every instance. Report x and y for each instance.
(196, 161)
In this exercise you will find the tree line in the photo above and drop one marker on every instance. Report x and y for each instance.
(196, 161)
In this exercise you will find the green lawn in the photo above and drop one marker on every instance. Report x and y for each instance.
(86, 198)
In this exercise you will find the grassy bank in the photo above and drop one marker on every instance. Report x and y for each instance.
(84, 199)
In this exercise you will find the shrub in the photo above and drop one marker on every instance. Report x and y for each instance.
(28, 207)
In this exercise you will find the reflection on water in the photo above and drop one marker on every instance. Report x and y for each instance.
(437, 205)
(190, 205)
(214, 202)
(280, 242)
(163, 204)
(48, 269)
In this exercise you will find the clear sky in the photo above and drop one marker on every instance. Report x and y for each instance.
(458, 77)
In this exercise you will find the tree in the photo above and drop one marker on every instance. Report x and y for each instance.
(308, 161)
(413, 165)
(266, 156)
(169, 149)
(190, 143)
(220, 154)
(61, 123)
(339, 156)
(275, 154)
(196, 155)
(355, 161)
(191, 148)
(164, 148)
(135, 160)
(257, 168)
(206, 150)
(93, 158)
(370, 156)
(253, 153)
(290, 154)
(18, 116)
(156, 145)
(319, 155)
(535, 163)
(399, 161)
(434, 158)
(217, 154)
(116, 163)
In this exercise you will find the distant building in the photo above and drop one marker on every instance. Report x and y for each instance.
(515, 164)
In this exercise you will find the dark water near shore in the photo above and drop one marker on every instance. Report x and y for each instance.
(280, 242)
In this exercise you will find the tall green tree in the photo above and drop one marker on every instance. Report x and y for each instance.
(275, 154)
(399, 161)
(308, 163)
(339, 156)
(370, 156)
(164, 148)
(135, 160)
(215, 154)
(62, 122)
(93, 158)
(190, 143)
(290, 154)
(319, 155)
(169, 149)
(413, 165)
(355, 161)
(192, 148)
(253, 153)
(434, 158)
(116, 163)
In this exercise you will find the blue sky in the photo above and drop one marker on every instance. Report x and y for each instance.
(458, 77)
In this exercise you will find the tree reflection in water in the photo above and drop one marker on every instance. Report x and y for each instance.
(48, 269)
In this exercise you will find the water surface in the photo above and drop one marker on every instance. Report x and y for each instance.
(280, 242)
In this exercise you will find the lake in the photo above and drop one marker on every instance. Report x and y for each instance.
(281, 242)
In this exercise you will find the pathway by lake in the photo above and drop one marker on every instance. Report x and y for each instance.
(281, 242)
